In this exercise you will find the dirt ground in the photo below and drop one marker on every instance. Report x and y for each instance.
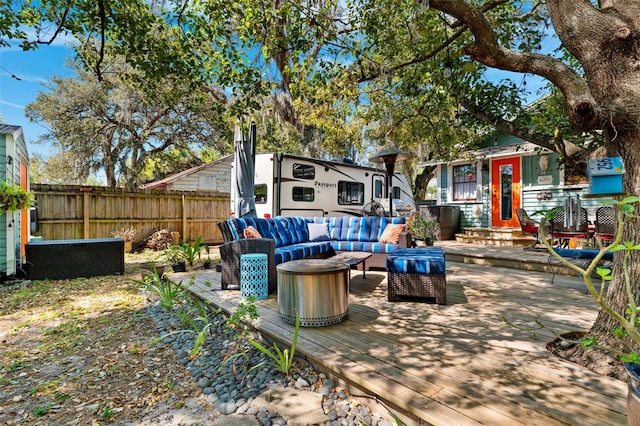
(81, 352)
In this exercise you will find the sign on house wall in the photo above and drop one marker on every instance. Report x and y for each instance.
(540, 170)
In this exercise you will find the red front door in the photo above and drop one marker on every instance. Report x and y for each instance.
(505, 192)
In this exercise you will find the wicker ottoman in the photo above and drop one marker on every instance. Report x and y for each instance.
(417, 274)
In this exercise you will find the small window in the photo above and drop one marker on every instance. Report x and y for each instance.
(350, 193)
(465, 182)
(260, 192)
(378, 188)
(301, 193)
(303, 171)
(397, 194)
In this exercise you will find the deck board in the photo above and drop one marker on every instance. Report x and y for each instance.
(459, 363)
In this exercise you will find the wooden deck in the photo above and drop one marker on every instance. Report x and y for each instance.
(460, 363)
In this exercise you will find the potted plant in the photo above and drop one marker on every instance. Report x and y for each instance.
(13, 197)
(629, 320)
(128, 235)
(207, 262)
(175, 256)
(192, 250)
(423, 231)
(152, 265)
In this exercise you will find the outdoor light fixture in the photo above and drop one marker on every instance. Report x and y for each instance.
(447, 69)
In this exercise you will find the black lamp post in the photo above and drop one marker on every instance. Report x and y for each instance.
(390, 157)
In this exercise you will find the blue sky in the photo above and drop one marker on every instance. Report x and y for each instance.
(33, 68)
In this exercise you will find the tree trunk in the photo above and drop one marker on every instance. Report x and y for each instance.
(625, 145)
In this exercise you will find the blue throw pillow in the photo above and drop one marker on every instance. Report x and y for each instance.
(318, 231)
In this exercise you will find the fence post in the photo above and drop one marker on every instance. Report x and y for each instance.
(184, 218)
(85, 213)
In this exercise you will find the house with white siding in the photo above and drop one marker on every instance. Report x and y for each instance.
(212, 176)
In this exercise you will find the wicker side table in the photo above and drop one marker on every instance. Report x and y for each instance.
(417, 274)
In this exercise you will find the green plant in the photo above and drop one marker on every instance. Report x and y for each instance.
(629, 321)
(13, 197)
(174, 254)
(199, 326)
(423, 229)
(283, 360)
(207, 263)
(39, 411)
(107, 412)
(192, 252)
(163, 287)
(243, 312)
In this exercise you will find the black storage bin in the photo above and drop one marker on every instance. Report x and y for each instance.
(62, 259)
(447, 216)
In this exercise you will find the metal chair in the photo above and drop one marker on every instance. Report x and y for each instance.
(528, 226)
(564, 228)
(605, 224)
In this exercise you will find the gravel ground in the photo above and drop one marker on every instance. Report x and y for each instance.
(89, 351)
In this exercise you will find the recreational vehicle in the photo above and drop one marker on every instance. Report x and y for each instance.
(289, 185)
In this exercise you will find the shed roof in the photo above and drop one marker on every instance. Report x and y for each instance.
(163, 182)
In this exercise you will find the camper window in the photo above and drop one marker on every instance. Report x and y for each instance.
(303, 171)
(378, 188)
(301, 193)
(350, 193)
(260, 192)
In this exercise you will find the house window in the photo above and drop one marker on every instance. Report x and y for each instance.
(350, 193)
(303, 171)
(301, 193)
(465, 182)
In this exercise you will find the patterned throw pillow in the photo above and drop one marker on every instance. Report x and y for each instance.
(251, 232)
(391, 233)
(318, 231)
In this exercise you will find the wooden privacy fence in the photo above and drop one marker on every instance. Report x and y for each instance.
(78, 212)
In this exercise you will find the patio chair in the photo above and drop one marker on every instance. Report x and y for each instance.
(528, 226)
(230, 253)
(605, 224)
(563, 232)
(225, 230)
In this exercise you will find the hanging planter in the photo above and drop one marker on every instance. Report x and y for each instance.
(14, 197)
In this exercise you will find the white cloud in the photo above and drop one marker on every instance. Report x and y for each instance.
(11, 104)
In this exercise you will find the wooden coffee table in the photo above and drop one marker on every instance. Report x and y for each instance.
(353, 258)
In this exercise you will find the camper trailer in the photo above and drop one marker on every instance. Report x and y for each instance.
(289, 185)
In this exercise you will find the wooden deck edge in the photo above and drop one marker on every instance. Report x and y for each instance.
(525, 265)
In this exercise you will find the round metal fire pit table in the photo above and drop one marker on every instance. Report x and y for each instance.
(316, 289)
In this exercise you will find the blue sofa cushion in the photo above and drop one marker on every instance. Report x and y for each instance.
(283, 230)
(300, 251)
(346, 233)
(582, 253)
(417, 261)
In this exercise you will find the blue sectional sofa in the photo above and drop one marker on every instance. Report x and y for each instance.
(291, 238)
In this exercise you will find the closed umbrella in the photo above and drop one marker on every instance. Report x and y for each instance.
(245, 153)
